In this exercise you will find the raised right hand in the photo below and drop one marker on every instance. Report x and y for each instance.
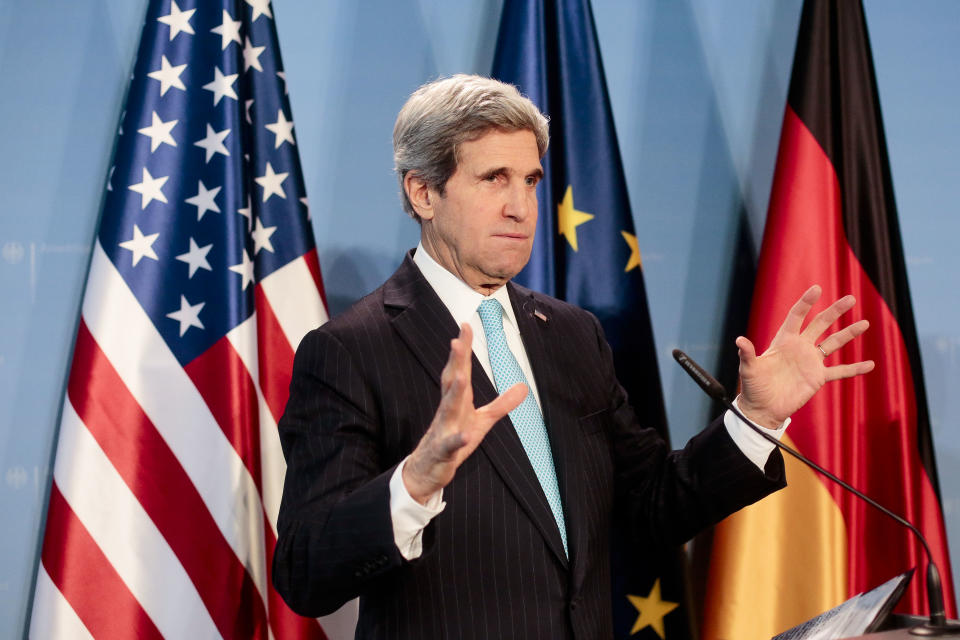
(457, 427)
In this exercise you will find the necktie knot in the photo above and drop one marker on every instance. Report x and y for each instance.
(491, 315)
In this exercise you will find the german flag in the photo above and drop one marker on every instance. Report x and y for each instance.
(832, 220)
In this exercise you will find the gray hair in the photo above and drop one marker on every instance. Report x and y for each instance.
(441, 115)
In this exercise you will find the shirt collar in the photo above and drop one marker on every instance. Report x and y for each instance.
(456, 295)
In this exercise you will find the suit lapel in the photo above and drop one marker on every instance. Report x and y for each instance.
(561, 427)
(422, 321)
(426, 326)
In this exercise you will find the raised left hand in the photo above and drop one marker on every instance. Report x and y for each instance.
(774, 385)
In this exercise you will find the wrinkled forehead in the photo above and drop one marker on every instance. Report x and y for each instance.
(490, 130)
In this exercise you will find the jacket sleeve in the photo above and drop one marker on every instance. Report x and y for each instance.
(335, 533)
(667, 497)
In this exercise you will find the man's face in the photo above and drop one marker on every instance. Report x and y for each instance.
(482, 228)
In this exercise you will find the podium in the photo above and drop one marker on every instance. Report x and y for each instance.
(897, 627)
(865, 616)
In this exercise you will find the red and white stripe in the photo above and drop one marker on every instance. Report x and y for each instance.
(167, 480)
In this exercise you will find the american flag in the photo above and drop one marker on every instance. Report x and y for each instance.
(203, 279)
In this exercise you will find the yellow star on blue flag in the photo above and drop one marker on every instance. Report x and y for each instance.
(568, 218)
(651, 611)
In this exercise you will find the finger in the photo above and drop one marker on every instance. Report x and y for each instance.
(747, 352)
(822, 321)
(448, 446)
(463, 348)
(449, 369)
(456, 397)
(836, 340)
(800, 309)
(504, 403)
(459, 360)
(466, 336)
(841, 371)
(489, 414)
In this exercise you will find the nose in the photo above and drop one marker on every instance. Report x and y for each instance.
(521, 202)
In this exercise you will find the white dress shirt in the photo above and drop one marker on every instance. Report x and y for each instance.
(409, 516)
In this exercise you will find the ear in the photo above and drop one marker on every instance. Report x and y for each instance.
(419, 193)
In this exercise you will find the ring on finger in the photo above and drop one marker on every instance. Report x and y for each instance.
(820, 346)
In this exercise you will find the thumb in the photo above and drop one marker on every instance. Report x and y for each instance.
(504, 403)
(747, 352)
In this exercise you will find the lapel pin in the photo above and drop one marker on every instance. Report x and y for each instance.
(539, 315)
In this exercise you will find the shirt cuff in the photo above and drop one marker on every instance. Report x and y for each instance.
(410, 517)
(752, 444)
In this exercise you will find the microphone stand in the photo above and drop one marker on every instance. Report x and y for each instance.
(937, 625)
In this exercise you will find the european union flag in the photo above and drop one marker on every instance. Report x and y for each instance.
(586, 252)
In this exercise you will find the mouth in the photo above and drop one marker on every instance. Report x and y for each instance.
(512, 236)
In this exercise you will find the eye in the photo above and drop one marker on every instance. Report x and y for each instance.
(532, 181)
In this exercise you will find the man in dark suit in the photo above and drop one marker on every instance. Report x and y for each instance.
(455, 512)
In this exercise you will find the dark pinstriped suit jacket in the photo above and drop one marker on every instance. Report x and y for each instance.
(365, 387)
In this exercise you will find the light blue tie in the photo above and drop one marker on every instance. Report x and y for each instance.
(527, 419)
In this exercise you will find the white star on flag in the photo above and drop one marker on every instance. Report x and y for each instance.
(110, 178)
(245, 269)
(229, 31)
(213, 143)
(168, 76)
(150, 189)
(141, 245)
(282, 129)
(283, 76)
(260, 7)
(187, 315)
(261, 238)
(177, 20)
(271, 183)
(196, 257)
(246, 213)
(306, 204)
(221, 85)
(159, 132)
(251, 56)
(246, 105)
(203, 201)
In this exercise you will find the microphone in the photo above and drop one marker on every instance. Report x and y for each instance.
(707, 382)
(937, 625)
